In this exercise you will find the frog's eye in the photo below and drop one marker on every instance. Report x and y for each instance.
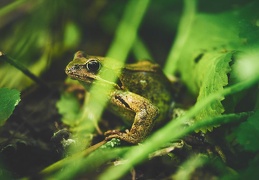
(93, 65)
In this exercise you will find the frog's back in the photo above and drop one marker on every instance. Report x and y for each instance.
(148, 80)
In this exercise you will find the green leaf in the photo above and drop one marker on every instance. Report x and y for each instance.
(248, 133)
(69, 107)
(211, 76)
(252, 171)
(9, 98)
(205, 48)
(202, 56)
(246, 65)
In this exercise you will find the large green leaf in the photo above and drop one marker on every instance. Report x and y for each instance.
(210, 39)
(204, 60)
(211, 73)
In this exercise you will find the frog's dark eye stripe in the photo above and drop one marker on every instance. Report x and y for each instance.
(93, 65)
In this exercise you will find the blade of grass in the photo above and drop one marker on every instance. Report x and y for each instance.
(182, 35)
(140, 50)
(127, 30)
(189, 166)
(10, 7)
(124, 38)
(63, 162)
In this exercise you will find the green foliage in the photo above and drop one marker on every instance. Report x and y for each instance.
(34, 38)
(69, 107)
(204, 65)
(248, 133)
(211, 76)
(215, 54)
(246, 65)
(252, 170)
(9, 98)
(189, 166)
(202, 57)
(71, 35)
(111, 144)
(78, 165)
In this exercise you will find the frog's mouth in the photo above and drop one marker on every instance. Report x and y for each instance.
(79, 77)
(85, 79)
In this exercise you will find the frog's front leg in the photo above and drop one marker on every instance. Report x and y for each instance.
(145, 116)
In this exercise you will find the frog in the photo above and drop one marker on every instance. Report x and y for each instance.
(141, 96)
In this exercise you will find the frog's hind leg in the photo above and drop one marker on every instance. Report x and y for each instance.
(145, 116)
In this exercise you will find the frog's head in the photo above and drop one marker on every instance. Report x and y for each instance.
(86, 68)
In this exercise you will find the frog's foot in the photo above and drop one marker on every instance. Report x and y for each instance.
(125, 136)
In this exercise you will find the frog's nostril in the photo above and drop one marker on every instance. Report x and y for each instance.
(75, 67)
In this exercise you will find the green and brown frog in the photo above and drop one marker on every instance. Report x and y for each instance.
(141, 96)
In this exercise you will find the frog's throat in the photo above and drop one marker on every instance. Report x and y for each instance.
(89, 80)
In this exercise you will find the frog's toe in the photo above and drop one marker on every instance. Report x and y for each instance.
(112, 132)
(128, 137)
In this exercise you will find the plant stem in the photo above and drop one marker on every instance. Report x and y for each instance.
(182, 36)
(23, 69)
